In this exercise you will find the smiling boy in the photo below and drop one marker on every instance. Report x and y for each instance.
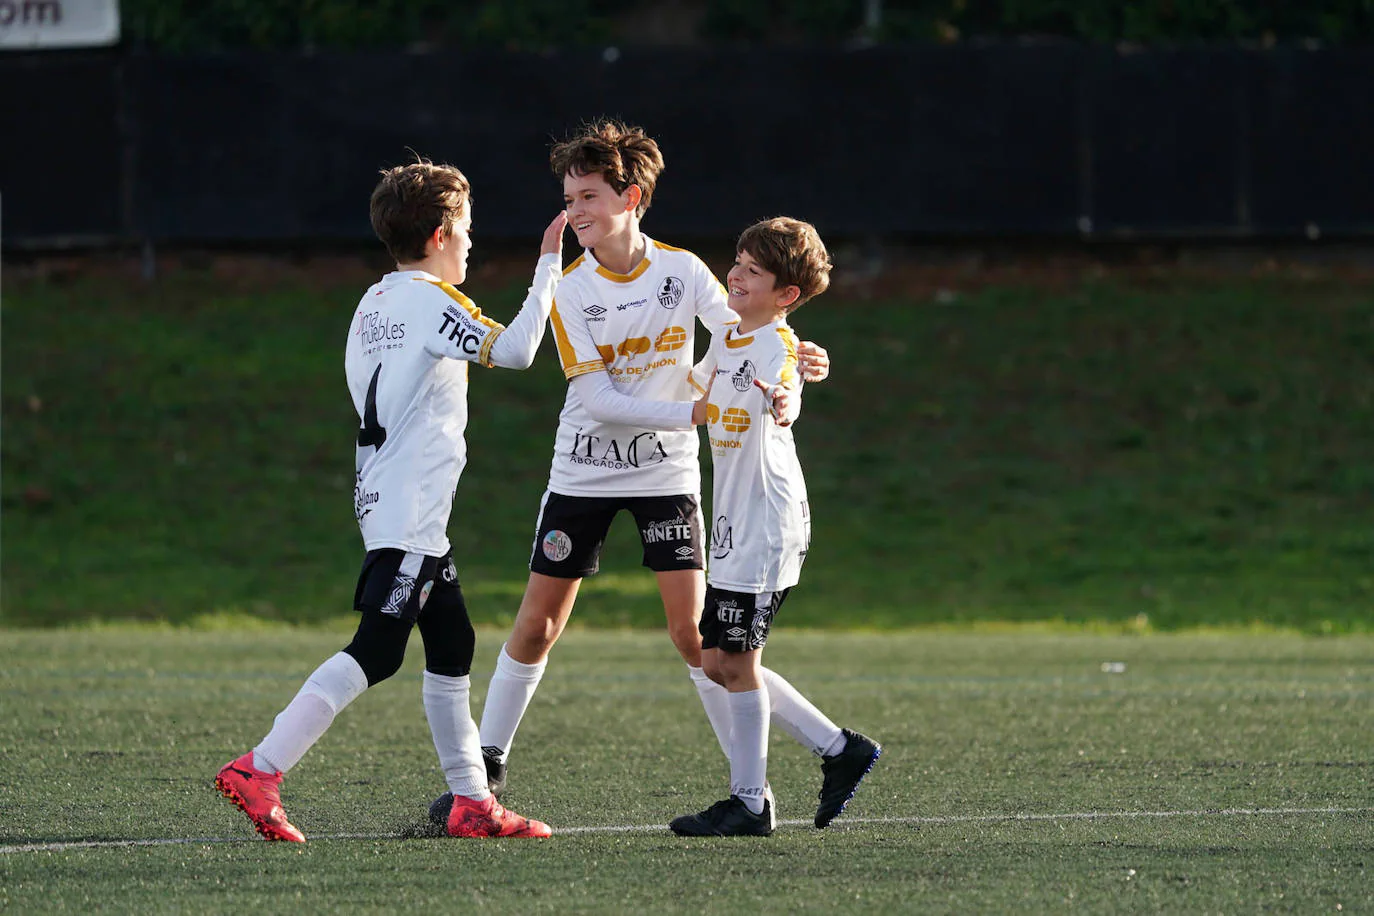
(761, 526)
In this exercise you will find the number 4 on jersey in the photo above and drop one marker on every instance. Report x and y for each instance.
(371, 432)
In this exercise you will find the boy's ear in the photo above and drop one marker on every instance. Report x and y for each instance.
(437, 239)
(633, 195)
(789, 295)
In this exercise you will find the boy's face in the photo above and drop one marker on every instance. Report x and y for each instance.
(595, 211)
(452, 258)
(754, 293)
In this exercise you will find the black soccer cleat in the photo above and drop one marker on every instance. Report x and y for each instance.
(496, 784)
(843, 772)
(730, 817)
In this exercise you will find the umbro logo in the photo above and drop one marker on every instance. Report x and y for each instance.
(734, 633)
(594, 310)
(684, 552)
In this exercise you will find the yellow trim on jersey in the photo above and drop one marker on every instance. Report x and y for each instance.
(573, 372)
(575, 264)
(734, 343)
(658, 244)
(566, 355)
(788, 374)
(494, 328)
(633, 275)
(693, 382)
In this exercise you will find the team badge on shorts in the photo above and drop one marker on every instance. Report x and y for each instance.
(557, 546)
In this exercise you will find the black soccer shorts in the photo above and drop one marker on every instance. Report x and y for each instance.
(572, 529)
(738, 621)
(399, 584)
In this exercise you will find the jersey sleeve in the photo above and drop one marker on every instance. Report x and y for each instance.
(459, 330)
(782, 370)
(606, 405)
(515, 346)
(576, 349)
(700, 376)
(713, 302)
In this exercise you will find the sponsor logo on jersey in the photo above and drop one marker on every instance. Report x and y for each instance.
(668, 530)
(557, 546)
(465, 333)
(735, 420)
(378, 332)
(400, 594)
(364, 500)
(631, 305)
(722, 538)
(744, 376)
(672, 338)
(643, 450)
(670, 292)
(374, 327)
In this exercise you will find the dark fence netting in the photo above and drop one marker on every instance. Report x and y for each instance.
(961, 141)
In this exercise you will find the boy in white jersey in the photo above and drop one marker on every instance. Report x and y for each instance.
(409, 346)
(761, 526)
(623, 321)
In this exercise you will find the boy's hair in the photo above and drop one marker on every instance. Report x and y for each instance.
(621, 155)
(793, 251)
(411, 201)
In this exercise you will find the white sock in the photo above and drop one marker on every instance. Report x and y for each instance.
(717, 703)
(749, 746)
(799, 718)
(332, 686)
(512, 687)
(455, 734)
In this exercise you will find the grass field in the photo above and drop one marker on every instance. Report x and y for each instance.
(1147, 451)
(1216, 773)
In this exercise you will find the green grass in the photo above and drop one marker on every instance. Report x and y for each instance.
(1012, 769)
(1181, 452)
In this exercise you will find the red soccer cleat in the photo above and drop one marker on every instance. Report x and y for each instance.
(257, 795)
(488, 818)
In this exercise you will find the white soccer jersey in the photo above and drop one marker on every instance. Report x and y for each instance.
(761, 523)
(638, 327)
(411, 339)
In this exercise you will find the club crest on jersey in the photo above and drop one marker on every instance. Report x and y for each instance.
(557, 546)
(744, 376)
(670, 293)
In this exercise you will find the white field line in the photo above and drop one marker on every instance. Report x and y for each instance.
(933, 821)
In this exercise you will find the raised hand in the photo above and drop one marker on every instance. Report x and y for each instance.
(553, 236)
(779, 400)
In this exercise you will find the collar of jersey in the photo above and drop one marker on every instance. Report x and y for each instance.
(734, 341)
(633, 275)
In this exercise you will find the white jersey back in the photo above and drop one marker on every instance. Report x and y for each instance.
(408, 348)
(761, 522)
(639, 328)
